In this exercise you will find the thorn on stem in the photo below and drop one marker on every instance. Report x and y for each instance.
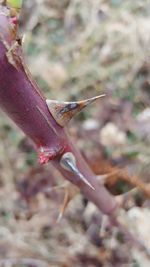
(68, 162)
(63, 112)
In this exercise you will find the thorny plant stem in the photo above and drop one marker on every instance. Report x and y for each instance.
(23, 102)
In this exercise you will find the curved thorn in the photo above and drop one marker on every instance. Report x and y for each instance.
(64, 111)
(68, 162)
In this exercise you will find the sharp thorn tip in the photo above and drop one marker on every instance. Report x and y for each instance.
(89, 184)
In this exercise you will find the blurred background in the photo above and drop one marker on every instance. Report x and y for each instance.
(75, 50)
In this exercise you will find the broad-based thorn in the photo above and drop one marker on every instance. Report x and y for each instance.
(63, 112)
(68, 162)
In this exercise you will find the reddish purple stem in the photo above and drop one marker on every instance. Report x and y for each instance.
(21, 99)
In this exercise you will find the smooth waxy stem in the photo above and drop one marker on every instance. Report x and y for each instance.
(68, 162)
(63, 112)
